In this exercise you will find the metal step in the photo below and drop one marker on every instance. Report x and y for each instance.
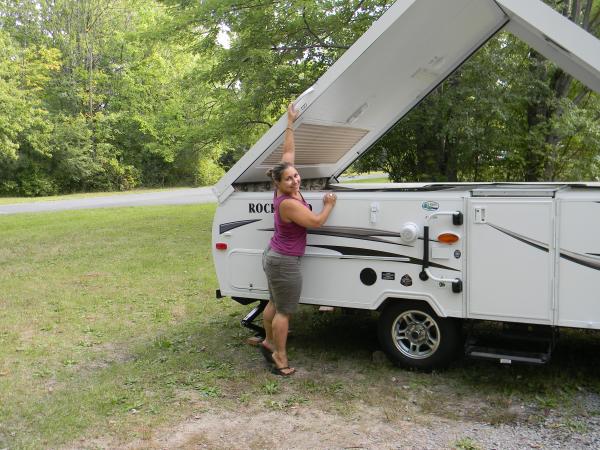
(507, 356)
(513, 344)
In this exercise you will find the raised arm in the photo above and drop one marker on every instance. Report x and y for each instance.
(289, 147)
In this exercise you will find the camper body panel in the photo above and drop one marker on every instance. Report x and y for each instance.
(533, 260)
(361, 238)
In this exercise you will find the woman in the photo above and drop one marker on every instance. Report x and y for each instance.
(281, 260)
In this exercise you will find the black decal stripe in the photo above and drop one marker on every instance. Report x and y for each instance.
(362, 237)
(360, 231)
(322, 232)
(231, 225)
(537, 244)
(356, 251)
(578, 258)
(363, 234)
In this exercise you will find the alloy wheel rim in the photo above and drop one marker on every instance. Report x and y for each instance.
(416, 334)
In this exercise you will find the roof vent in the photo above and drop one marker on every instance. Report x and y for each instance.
(319, 144)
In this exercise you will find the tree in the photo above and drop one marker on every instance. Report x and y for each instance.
(24, 126)
(277, 49)
(118, 99)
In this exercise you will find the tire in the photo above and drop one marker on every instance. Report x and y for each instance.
(413, 336)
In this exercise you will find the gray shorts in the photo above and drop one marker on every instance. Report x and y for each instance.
(285, 280)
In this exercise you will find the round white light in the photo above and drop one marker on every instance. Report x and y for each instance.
(409, 232)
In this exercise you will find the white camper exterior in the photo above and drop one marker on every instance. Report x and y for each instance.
(425, 255)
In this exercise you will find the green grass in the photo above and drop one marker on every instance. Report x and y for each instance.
(98, 310)
(370, 180)
(109, 329)
(53, 198)
(466, 444)
(382, 178)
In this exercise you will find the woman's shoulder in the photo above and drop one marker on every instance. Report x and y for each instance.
(287, 200)
(290, 202)
(282, 197)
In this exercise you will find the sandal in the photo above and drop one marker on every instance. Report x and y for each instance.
(268, 354)
(280, 371)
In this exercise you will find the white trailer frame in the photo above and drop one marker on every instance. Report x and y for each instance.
(520, 254)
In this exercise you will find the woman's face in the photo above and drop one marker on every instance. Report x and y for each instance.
(290, 181)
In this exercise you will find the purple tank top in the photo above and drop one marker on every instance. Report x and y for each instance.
(289, 238)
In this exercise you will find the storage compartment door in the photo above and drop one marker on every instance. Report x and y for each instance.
(510, 260)
(245, 270)
(579, 264)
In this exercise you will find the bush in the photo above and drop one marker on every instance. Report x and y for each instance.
(208, 172)
(36, 184)
(115, 176)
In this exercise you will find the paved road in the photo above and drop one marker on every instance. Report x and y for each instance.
(171, 197)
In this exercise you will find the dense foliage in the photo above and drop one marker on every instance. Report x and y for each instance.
(113, 94)
(91, 98)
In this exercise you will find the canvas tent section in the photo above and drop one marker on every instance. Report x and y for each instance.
(405, 54)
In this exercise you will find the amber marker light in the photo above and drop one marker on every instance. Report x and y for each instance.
(448, 238)
(221, 246)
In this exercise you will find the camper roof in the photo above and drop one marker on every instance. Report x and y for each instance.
(405, 54)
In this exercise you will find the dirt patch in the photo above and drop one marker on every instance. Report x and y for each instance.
(366, 428)
(108, 354)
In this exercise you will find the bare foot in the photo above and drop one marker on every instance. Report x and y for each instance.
(281, 365)
(283, 371)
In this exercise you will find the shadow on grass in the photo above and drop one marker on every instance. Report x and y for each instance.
(575, 365)
(469, 389)
(205, 364)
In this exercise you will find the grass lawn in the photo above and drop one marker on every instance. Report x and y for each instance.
(109, 328)
(370, 180)
(382, 178)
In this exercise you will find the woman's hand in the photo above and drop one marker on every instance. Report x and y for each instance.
(329, 199)
(292, 114)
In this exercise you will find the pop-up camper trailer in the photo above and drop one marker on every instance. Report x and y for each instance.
(427, 256)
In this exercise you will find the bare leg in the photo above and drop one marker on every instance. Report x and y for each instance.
(268, 315)
(281, 323)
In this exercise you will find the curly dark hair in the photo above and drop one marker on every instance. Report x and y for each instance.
(277, 171)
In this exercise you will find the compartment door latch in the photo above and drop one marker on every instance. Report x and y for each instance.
(480, 216)
(373, 210)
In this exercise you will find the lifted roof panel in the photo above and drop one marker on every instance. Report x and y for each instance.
(405, 54)
(576, 51)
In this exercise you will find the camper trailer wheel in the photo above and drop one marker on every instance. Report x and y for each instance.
(413, 336)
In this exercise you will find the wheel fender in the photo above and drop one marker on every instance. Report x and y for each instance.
(393, 296)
